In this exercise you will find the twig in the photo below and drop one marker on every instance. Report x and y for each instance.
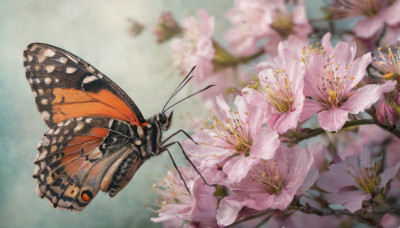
(318, 131)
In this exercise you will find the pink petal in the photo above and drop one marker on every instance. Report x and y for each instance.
(389, 174)
(326, 43)
(238, 167)
(351, 200)
(310, 107)
(368, 27)
(309, 181)
(358, 69)
(363, 98)
(333, 119)
(343, 54)
(228, 211)
(265, 144)
(391, 14)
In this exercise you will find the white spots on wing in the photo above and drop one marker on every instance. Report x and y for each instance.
(140, 131)
(47, 80)
(61, 138)
(40, 91)
(34, 93)
(57, 80)
(49, 132)
(70, 70)
(33, 48)
(28, 67)
(100, 75)
(46, 115)
(50, 68)
(110, 123)
(41, 58)
(66, 131)
(89, 79)
(68, 122)
(54, 141)
(79, 126)
(30, 80)
(88, 120)
(37, 67)
(79, 118)
(37, 169)
(25, 68)
(138, 142)
(49, 53)
(45, 142)
(44, 101)
(71, 58)
(148, 125)
(56, 132)
(91, 69)
(37, 80)
(30, 58)
(62, 60)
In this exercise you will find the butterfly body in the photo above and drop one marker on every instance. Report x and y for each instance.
(98, 138)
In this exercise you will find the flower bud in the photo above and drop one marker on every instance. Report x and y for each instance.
(166, 28)
(386, 114)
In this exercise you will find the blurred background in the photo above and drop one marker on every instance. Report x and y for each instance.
(98, 32)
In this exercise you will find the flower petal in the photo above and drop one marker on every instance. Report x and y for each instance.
(265, 144)
(388, 174)
(333, 119)
(364, 97)
(368, 27)
(351, 200)
(238, 167)
(228, 211)
(310, 107)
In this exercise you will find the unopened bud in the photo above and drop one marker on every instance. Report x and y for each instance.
(166, 28)
(386, 114)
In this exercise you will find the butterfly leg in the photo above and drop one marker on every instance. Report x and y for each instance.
(188, 159)
(177, 132)
(176, 167)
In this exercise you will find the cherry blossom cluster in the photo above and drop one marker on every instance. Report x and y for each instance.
(304, 129)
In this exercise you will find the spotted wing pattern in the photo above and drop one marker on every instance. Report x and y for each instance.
(74, 162)
(66, 86)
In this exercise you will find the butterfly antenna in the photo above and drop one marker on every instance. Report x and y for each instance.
(180, 86)
(189, 97)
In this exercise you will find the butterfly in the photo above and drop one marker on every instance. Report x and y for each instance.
(98, 137)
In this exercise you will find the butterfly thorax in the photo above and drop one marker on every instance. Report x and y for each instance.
(144, 141)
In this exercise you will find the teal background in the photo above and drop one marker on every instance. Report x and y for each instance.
(97, 31)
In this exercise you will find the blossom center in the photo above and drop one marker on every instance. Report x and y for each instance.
(233, 131)
(332, 85)
(365, 178)
(282, 25)
(269, 176)
(279, 91)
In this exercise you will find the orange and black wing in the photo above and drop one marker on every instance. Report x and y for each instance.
(75, 161)
(66, 86)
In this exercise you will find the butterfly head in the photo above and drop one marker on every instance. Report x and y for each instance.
(164, 121)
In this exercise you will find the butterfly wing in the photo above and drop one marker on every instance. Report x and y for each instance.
(79, 157)
(66, 86)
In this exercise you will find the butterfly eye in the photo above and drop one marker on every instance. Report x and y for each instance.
(87, 195)
(162, 119)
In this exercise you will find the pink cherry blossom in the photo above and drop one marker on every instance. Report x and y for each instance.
(233, 141)
(376, 14)
(354, 180)
(269, 184)
(387, 63)
(256, 20)
(195, 47)
(280, 92)
(330, 86)
(198, 207)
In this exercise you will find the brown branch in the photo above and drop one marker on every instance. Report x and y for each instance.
(318, 131)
